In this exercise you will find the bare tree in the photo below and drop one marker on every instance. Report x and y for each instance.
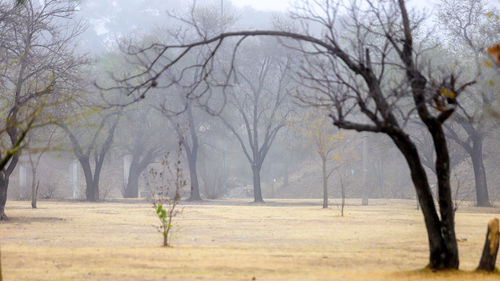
(166, 185)
(317, 131)
(142, 140)
(40, 71)
(190, 140)
(261, 109)
(35, 154)
(101, 139)
(472, 31)
(367, 66)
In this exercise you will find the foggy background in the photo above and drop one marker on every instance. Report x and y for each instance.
(369, 164)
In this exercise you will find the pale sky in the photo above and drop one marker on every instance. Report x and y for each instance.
(274, 5)
(283, 5)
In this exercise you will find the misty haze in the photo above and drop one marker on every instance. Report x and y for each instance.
(249, 140)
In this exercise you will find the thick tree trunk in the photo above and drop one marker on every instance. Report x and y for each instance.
(257, 191)
(490, 250)
(92, 191)
(482, 195)
(442, 246)
(325, 183)
(446, 205)
(92, 187)
(4, 184)
(195, 186)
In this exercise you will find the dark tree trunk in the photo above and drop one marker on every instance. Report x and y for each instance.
(442, 243)
(325, 183)
(193, 175)
(4, 185)
(482, 195)
(92, 191)
(5, 173)
(446, 206)
(140, 161)
(257, 191)
(490, 250)
(92, 186)
(92, 179)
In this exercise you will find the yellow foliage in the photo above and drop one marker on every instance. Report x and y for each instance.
(448, 93)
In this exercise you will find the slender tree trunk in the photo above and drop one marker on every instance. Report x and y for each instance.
(4, 184)
(34, 185)
(482, 195)
(193, 175)
(342, 193)
(34, 191)
(325, 183)
(257, 191)
(132, 188)
(365, 189)
(443, 248)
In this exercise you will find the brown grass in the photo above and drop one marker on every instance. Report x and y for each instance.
(231, 240)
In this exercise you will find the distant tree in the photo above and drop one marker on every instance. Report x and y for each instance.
(257, 110)
(190, 140)
(140, 137)
(92, 141)
(471, 31)
(316, 130)
(40, 143)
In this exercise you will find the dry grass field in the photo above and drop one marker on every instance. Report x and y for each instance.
(231, 240)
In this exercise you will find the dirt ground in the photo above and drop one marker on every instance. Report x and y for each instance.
(231, 240)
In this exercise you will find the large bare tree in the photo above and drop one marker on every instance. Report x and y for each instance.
(367, 64)
(39, 70)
